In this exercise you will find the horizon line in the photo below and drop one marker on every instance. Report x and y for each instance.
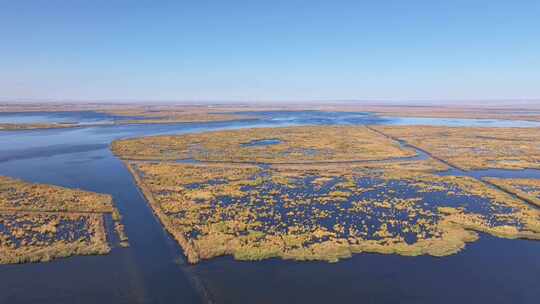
(266, 101)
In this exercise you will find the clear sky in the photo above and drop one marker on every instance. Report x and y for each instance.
(269, 50)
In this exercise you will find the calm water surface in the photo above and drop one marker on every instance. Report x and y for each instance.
(82, 117)
(153, 269)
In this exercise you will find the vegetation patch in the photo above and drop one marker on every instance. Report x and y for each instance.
(41, 222)
(34, 126)
(171, 114)
(17, 195)
(474, 148)
(292, 145)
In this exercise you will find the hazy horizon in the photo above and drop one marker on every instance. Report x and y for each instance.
(278, 103)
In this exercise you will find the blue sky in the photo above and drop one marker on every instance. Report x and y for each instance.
(269, 50)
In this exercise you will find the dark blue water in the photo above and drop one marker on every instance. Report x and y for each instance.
(488, 271)
(152, 270)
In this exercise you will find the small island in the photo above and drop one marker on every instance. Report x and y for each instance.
(39, 223)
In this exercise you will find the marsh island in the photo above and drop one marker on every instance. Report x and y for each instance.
(315, 193)
(41, 222)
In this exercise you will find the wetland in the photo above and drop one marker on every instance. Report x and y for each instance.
(40, 222)
(261, 210)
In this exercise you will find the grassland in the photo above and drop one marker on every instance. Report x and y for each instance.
(40, 222)
(474, 148)
(17, 195)
(295, 145)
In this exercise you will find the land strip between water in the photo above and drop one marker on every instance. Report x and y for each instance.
(533, 203)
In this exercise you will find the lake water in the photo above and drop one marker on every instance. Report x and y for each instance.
(153, 269)
(80, 117)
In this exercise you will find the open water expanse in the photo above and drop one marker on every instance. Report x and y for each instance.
(153, 269)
